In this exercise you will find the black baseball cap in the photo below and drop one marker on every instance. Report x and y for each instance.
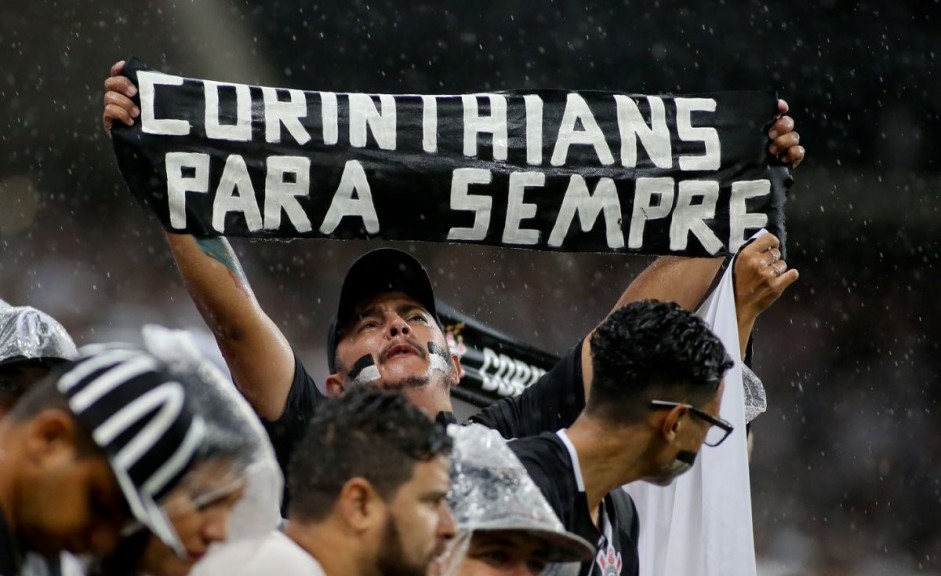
(378, 271)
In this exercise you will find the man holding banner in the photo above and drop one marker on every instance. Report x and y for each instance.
(200, 159)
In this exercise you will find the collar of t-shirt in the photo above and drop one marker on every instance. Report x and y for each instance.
(605, 530)
(10, 554)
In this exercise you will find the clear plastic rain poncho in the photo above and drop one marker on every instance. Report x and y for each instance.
(491, 490)
(30, 334)
(231, 425)
(230, 422)
(756, 402)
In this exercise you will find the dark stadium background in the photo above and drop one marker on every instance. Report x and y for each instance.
(847, 463)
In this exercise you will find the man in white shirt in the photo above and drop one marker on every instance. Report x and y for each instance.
(371, 477)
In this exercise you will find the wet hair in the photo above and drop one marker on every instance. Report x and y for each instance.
(44, 395)
(652, 350)
(368, 433)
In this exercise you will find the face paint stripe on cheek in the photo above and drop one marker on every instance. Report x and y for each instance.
(438, 357)
(364, 371)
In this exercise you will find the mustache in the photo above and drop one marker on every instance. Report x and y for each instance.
(403, 341)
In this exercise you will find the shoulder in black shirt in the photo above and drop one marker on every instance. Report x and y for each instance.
(553, 467)
(552, 403)
(285, 432)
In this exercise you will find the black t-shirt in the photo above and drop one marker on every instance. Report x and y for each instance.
(553, 467)
(552, 403)
(287, 431)
(10, 554)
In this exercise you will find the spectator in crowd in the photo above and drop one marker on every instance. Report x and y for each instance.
(31, 343)
(506, 526)
(370, 480)
(95, 450)
(655, 401)
(232, 491)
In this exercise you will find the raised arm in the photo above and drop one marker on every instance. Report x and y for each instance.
(257, 353)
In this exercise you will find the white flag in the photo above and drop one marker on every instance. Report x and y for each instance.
(701, 525)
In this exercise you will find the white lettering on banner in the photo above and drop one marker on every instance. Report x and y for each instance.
(150, 124)
(739, 217)
(577, 112)
(505, 375)
(281, 187)
(235, 194)
(178, 184)
(378, 114)
(579, 200)
(241, 131)
(495, 124)
(286, 179)
(645, 190)
(286, 113)
(281, 194)
(487, 381)
(654, 199)
(517, 210)
(691, 209)
(533, 105)
(689, 217)
(632, 127)
(328, 118)
(363, 113)
(352, 198)
(712, 158)
(461, 199)
(429, 124)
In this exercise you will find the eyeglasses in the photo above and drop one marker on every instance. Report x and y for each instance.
(719, 429)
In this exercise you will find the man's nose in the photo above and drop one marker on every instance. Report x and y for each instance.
(216, 528)
(447, 527)
(398, 326)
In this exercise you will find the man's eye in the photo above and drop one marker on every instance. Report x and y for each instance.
(537, 566)
(368, 325)
(417, 318)
(496, 557)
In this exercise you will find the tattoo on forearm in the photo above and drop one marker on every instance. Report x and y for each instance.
(218, 251)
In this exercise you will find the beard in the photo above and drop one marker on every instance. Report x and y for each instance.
(439, 374)
(409, 383)
(391, 560)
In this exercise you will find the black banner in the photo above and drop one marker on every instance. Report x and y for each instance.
(495, 365)
(579, 171)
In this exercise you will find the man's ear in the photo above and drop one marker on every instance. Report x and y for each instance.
(335, 386)
(672, 422)
(458, 371)
(49, 434)
(360, 505)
